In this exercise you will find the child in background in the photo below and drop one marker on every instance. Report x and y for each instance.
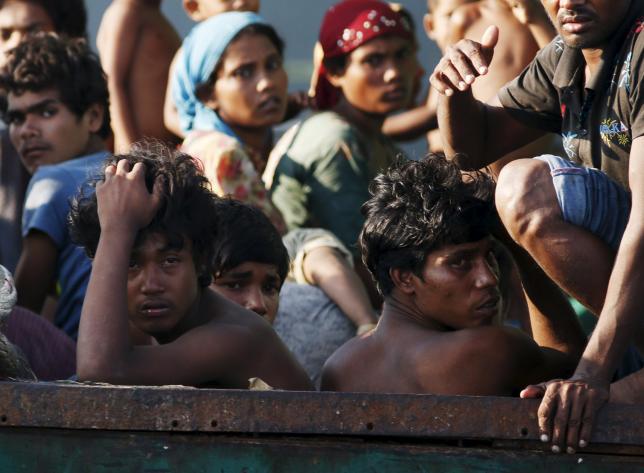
(250, 268)
(136, 44)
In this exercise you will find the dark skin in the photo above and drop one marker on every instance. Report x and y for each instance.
(609, 284)
(439, 334)
(204, 339)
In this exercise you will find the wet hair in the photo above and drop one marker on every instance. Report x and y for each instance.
(48, 61)
(187, 211)
(205, 89)
(68, 16)
(417, 207)
(246, 235)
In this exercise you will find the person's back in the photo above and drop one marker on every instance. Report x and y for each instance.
(406, 358)
(137, 43)
(427, 242)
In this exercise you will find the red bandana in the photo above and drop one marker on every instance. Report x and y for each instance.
(347, 26)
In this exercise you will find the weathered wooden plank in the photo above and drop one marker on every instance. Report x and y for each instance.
(25, 450)
(199, 410)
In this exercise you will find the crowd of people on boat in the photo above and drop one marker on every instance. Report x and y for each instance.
(159, 233)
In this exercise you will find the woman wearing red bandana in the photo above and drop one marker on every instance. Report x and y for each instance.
(323, 166)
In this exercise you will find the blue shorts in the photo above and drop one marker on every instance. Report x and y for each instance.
(590, 199)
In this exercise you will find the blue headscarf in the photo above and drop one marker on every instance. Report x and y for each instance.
(201, 51)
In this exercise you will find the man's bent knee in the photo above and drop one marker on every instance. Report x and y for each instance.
(525, 198)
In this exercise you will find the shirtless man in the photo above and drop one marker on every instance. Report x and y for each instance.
(149, 229)
(426, 241)
(136, 44)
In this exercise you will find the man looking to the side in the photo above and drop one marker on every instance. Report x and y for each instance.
(580, 217)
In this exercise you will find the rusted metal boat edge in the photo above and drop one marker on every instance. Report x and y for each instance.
(183, 409)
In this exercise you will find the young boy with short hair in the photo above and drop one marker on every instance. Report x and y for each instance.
(57, 113)
(250, 267)
(427, 242)
(19, 19)
(150, 228)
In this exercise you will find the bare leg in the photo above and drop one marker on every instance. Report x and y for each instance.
(552, 320)
(574, 258)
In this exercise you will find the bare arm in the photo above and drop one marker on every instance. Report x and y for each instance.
(411, 124)
(532, 14)
(628, 390)
(35, 273)
(327, 269)
(482, 133)
(568, 409)
(553, 321)
(117, 39)
(170, 113)
(235, 351)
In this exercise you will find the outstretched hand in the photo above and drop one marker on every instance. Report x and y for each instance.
(463, 62)
(567, 411)
(123, 199)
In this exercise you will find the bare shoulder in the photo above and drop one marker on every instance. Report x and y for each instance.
(345, 362)
(494, 341)
(251, 345)
(476, 361)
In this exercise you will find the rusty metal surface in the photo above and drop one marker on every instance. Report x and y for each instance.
(74, 406)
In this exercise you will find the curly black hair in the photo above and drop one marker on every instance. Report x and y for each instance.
(188, 210)
(46, 61)
(418, 206)
(246, 234)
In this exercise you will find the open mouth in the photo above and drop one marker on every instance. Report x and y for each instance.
(491, 304)
(154, 308)
(270, 104)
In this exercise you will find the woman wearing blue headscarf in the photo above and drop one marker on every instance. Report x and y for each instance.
(230, 88)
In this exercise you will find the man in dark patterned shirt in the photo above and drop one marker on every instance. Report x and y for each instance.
(574, 215)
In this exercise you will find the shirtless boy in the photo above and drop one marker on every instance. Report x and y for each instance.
(427, 243)
(149, 228)
(136, 44)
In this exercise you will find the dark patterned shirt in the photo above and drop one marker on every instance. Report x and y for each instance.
(599, 120)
